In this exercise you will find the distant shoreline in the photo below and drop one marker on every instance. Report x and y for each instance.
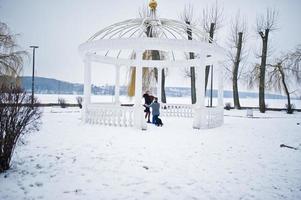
(58, 87)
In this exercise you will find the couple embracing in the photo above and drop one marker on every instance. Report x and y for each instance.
(152, 102)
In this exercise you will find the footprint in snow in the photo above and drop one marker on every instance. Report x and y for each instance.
(23, 172)
(53, 175)
(38, 166)
(78, 190)
(39, 184)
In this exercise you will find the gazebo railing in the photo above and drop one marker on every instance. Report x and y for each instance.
(176, 110)
(210, 117)
(123, 116)
(110, 115)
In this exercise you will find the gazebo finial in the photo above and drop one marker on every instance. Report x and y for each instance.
(153, 4)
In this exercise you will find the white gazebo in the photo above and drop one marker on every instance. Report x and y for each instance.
(116, 44)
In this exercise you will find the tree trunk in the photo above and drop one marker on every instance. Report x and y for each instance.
(211, 86)
(265, 38)
(192, 69)
(207, 69)
(163, 95)
(235, 72)
(4, 165)
(156, 56)
(289, 106)
(6, 153)
(192, 74)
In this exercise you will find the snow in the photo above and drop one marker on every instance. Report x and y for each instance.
(240, 160)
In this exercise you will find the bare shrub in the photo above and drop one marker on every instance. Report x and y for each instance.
(17, 118)
(228, 106)
(79, 101)
(290, 109)
(62, 102)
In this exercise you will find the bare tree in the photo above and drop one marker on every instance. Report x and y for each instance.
(236, 53)
(285, 74)
(295, 62)
(17, 116)
(265, 24)
(211, 21)
(187, 17)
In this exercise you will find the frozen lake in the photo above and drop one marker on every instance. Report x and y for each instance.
(271, 103)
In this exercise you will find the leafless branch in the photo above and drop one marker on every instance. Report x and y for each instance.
(238, 26)
(11, 60)
(212, 14)
(253, 76)
(287, 66)
(267, 21)
(187, 14)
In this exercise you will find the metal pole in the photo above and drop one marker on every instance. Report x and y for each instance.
(211, 86)
(32, 80)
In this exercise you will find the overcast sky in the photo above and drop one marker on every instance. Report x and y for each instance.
(60, 26)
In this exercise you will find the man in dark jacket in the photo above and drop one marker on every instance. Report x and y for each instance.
(148, 99)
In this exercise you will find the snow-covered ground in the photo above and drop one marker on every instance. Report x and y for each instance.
(240, 160)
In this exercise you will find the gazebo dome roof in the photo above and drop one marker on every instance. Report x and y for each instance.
(174, 40)
(123, 39)
(151, 27)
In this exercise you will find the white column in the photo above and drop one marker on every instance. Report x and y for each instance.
(220, 85)
(139, 121)
(87, 84)
(159, 85)
(200, 83)
(138, 86)
(200, 94)
(117, 84)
